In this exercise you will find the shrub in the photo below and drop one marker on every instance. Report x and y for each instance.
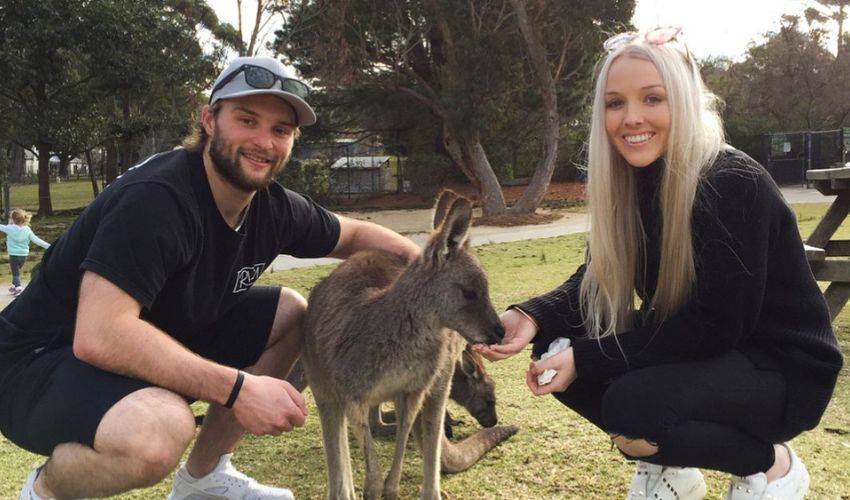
(427, 172)
(310, 177)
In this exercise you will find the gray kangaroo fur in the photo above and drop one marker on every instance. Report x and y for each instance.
(377, 330)
(471, 388)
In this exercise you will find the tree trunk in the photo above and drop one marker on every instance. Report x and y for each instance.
(7, 194)
(539, 184)
(4, 177)
(252, 46)
(64, 164)
(492, 198)
(45, 206)
(94, 189)
(466, 150)
(239, 28)
(840, 18)
(111, 170)
(450, 142)
(126, 135)
(17, 169)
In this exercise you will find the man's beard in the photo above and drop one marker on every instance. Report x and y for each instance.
(227, 166)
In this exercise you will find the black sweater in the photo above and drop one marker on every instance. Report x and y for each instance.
(754, 292)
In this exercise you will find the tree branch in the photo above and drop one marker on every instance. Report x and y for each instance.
(256, 29)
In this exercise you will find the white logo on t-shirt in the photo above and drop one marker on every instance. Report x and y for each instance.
(246, 276)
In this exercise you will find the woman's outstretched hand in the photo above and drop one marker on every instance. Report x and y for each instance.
(519, 330)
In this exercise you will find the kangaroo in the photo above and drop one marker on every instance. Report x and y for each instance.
(379, 330)
(471, 388)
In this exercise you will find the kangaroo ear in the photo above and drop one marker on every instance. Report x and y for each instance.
(451, 235)
(441, 207)
(467, 365)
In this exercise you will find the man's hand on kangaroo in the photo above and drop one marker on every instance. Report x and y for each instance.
(267, 405)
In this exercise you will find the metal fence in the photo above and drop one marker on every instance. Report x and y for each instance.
(788, 155)
(358, 166)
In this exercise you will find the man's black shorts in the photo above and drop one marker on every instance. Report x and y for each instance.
(51, 397)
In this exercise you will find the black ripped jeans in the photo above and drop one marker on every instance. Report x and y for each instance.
(721, 413)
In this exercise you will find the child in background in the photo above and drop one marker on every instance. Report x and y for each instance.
(18, 237)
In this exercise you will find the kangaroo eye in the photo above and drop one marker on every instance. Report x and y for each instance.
(469, 294)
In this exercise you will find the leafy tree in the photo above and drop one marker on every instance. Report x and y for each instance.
(151, 72)
(830, 10)
(79, 73)
(42, 62)
(479, 68)
(259, 31)
(789, 82)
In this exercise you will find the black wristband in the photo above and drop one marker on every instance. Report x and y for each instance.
(237, 386)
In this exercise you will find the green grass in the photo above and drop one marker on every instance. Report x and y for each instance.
(68, 197)
(65, 195)
(556, 454)
(46, 228)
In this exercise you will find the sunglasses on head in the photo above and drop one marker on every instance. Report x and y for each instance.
(261, 78)
(658, 36)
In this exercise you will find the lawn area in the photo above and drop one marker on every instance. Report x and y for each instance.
(68, 197)
(46, 228)
(65, 195)
(556, 454)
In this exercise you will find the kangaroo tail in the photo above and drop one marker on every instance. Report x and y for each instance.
(457, 457)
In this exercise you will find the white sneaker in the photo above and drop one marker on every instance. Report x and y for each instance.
(659, 482)
(791, 486)
(28, 491)
(223, 482)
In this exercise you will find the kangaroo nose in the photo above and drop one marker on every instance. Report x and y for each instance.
(498, 332)
(489, 420)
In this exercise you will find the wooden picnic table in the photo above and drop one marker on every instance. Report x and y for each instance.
(820, 246)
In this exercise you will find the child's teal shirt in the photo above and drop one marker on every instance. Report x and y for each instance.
(18, 239)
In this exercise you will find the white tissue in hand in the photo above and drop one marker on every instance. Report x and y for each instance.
(558, 345)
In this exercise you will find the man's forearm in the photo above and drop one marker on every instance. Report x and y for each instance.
(370, 236)
(135, 348)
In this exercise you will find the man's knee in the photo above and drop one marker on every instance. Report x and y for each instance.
(151, 428)
(291, 303)
(155, 462)
(635, 447)
(158, 451)
(291, 308)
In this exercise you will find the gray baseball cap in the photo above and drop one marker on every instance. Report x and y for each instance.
(263, 75)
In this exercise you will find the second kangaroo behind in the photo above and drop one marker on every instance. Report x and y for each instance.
(379, 330)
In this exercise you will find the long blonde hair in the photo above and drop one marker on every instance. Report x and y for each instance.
(616, 238)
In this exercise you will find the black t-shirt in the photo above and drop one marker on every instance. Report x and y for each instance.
(157, 234)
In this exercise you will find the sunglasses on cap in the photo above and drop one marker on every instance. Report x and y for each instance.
(261, 78)
(657, 36)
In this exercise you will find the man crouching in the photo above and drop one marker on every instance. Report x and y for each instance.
(147, 302)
